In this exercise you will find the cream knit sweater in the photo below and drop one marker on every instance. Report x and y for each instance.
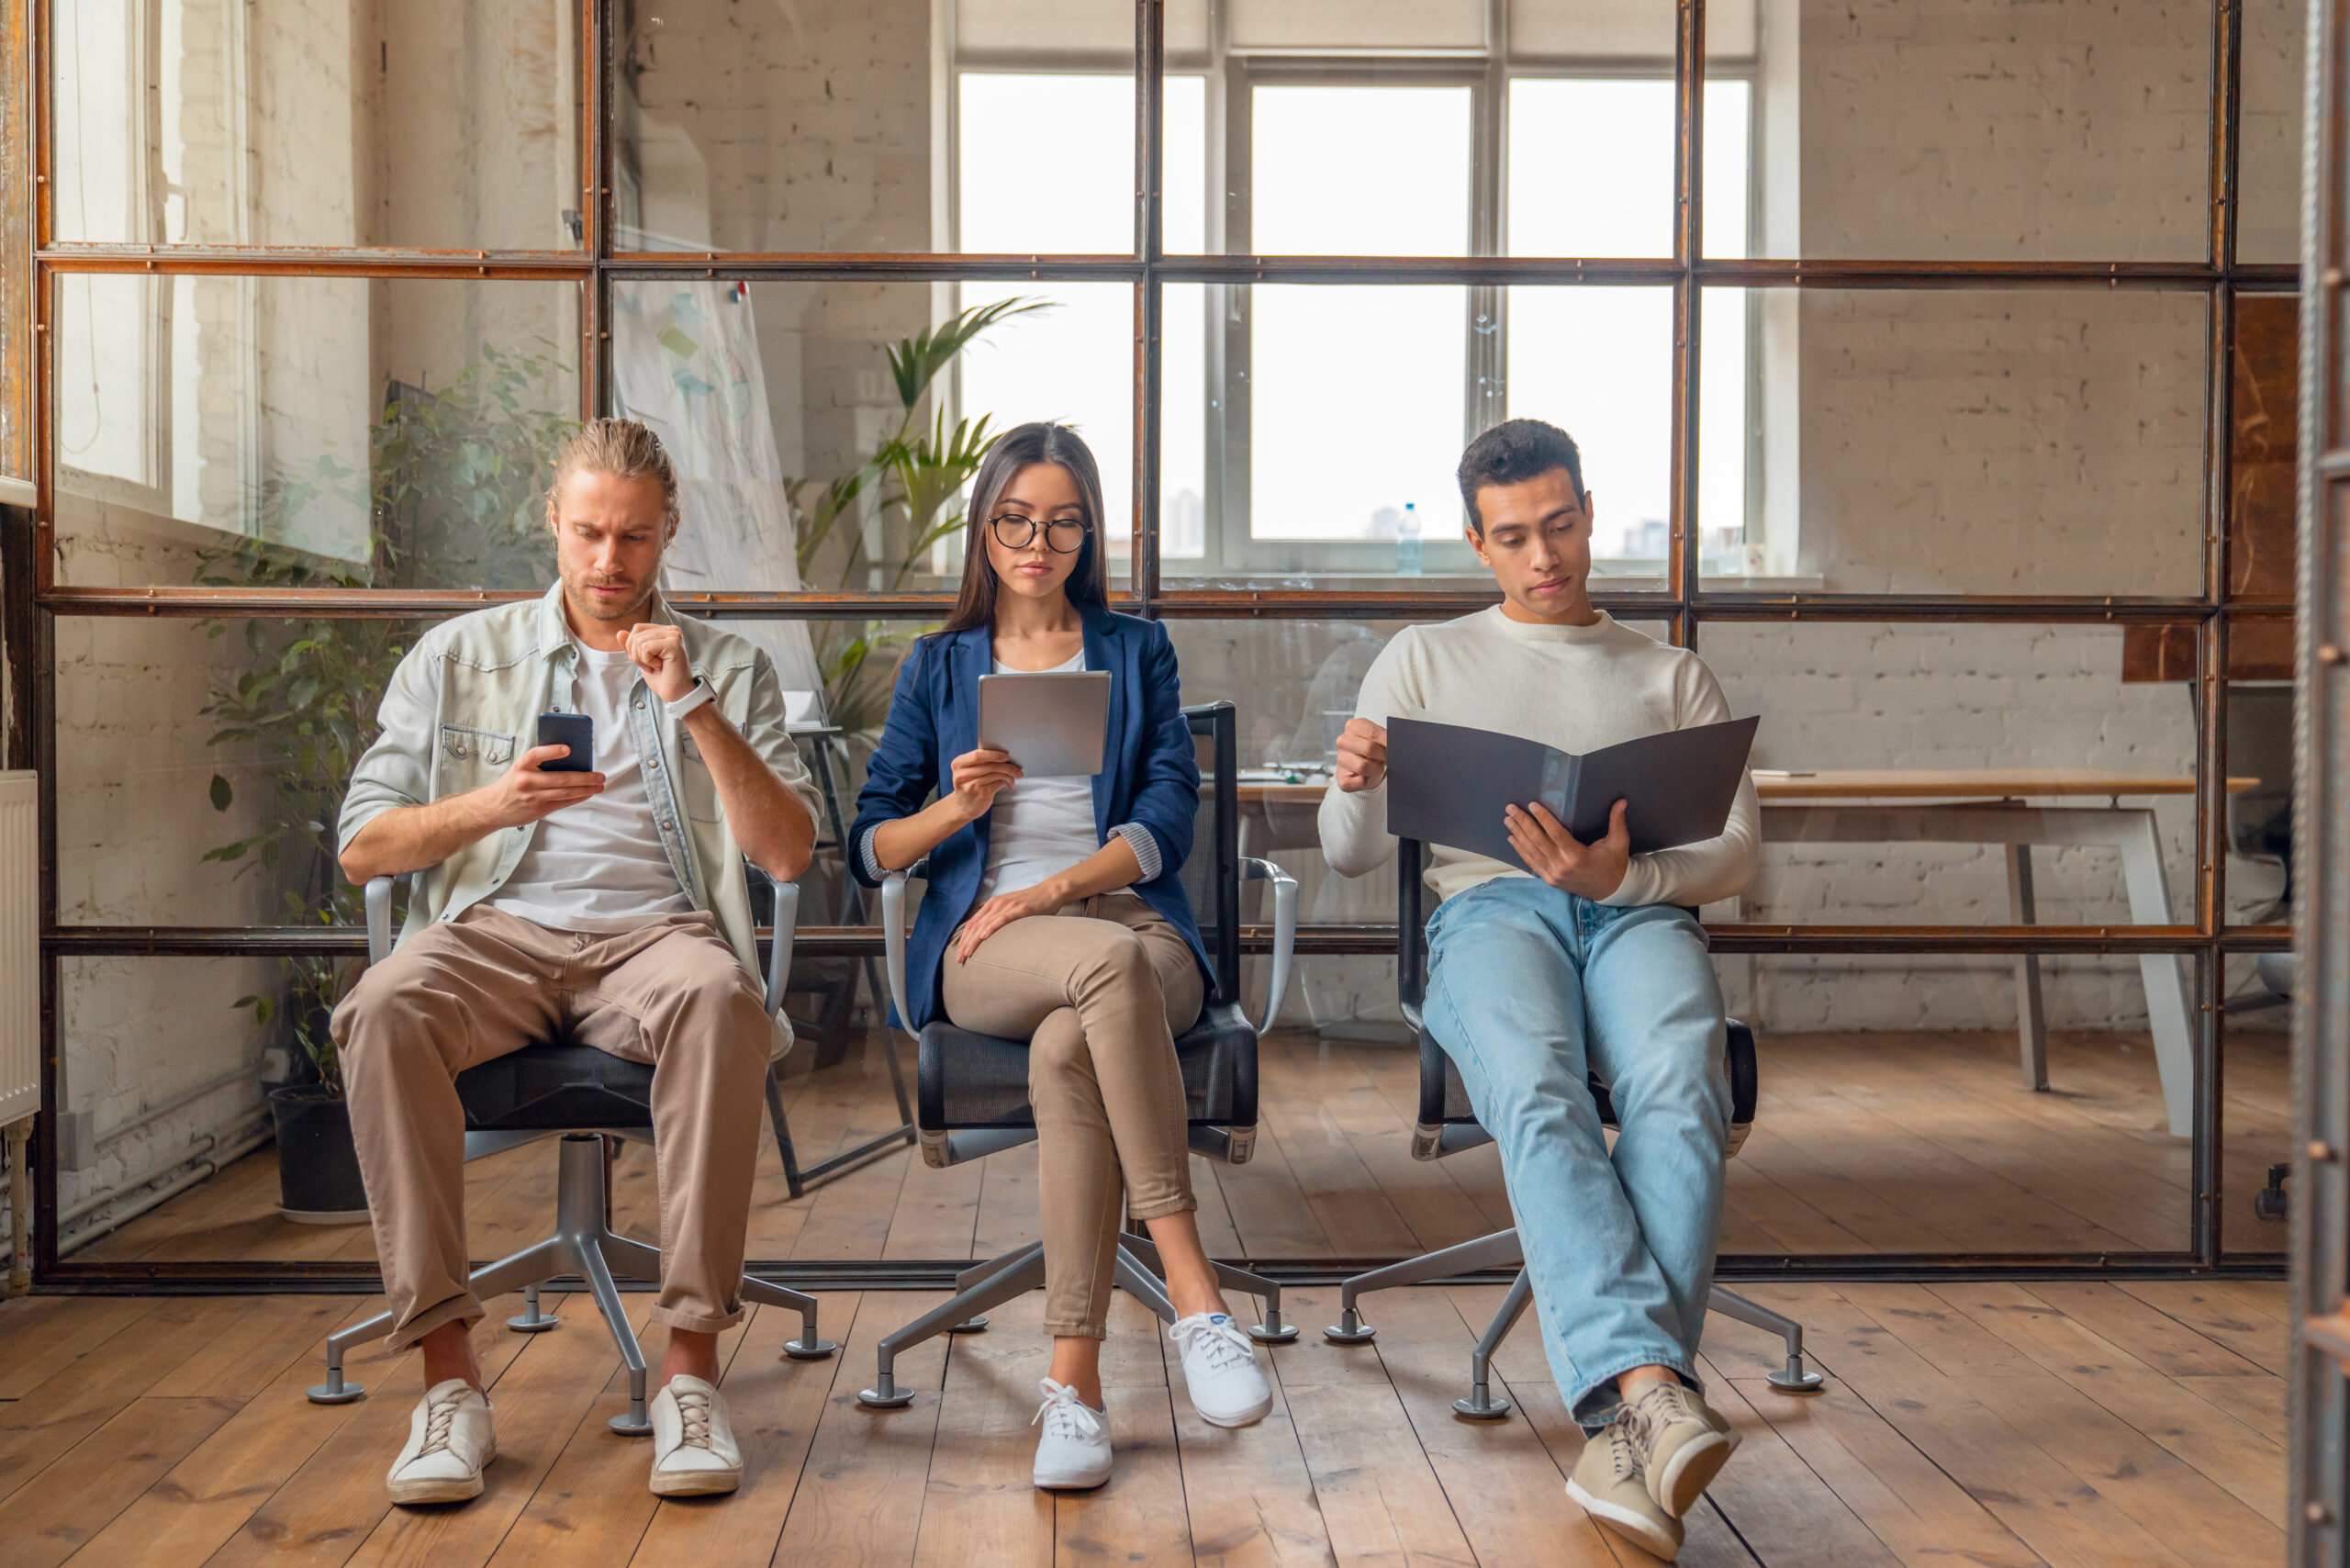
(1577, 687)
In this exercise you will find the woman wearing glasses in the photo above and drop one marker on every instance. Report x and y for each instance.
(1056, 913)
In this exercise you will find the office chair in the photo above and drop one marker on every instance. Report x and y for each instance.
(1448, 1123)
(973, 1097)
(587, 1096)
(2260, 820)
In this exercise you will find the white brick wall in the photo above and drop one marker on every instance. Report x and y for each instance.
(2021, 130)
(1970, 441)
(808, 125)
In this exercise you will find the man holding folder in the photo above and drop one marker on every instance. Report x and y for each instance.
(1594, 961)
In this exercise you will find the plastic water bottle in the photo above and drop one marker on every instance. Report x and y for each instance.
(1407, 543)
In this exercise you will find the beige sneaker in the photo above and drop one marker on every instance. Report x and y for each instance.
(1611, 1482)
(449, 1444)
(693, 1442)
(1683, 1445)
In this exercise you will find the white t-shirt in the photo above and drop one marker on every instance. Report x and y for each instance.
(1577, 687)
(1038, 827)
(598, 865)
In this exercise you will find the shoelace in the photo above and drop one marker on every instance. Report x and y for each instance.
(1224, 1344)
(1659, 1406)
(1623, 1448)
(1064, 1414)
(693, 1414)
(438, 1416)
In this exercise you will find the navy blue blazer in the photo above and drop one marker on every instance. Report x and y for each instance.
(1151, 778)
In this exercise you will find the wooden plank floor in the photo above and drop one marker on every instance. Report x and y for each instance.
(1988, 1424)
(1914, 1142)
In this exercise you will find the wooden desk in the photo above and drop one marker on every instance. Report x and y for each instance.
(2012, 807)
(1971, 783)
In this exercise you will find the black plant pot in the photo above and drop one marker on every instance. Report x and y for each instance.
(318, 1165)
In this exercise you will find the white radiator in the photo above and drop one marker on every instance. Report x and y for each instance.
(19, 946)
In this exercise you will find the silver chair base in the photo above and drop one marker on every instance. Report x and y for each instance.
(1015, 1274)
(1499, 1250)
(584, 1245)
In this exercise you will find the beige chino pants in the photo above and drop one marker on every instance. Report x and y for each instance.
(466, 992)
(1099, 990)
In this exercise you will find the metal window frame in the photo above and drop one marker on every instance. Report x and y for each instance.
(34, 601)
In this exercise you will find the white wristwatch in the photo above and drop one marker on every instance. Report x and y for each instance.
(700, 694)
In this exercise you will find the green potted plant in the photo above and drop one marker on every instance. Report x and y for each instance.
(453, 490)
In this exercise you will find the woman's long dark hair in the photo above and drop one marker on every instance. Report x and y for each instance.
(1089, 583)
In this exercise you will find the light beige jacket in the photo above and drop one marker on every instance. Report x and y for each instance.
(467, 700)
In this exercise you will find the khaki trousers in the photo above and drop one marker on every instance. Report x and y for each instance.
(465, 992)
(1099, 990)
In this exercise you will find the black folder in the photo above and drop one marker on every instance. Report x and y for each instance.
(1447, 783)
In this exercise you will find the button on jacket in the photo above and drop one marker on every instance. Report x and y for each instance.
(1148, 791)
(465, 702)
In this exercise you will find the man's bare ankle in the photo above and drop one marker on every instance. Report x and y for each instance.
(448, 1352)
(1628, 1383)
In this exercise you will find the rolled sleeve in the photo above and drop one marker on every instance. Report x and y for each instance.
(396, 771)
(1138, 839)
(769, 732)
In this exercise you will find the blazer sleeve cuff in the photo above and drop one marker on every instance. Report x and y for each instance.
(1146, 848)
(872, 863)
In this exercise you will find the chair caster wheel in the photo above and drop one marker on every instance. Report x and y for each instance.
(808, 1351)
(1285, 1335)
(896, 1399)
(332, 1394)
(969, 1326)
(1481, 1407)
(526, 1323)
(1794, 1382)
(629, 1424)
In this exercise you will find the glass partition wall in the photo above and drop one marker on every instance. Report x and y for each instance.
(1934, 367)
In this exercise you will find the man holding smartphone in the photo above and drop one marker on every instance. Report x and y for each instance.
(610, 904)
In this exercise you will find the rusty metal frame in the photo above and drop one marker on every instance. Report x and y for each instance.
(34, 601)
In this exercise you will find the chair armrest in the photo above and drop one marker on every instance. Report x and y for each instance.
(786, 925)
(893, 938)
(379, 919)
(1284, 930)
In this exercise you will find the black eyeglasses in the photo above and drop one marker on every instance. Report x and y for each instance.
(1063, 536)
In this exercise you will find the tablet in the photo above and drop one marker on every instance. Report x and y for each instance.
(1052, 724)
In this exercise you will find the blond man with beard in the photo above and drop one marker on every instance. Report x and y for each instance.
(610, 904)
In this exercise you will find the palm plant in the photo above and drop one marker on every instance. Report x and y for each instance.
(915, 480)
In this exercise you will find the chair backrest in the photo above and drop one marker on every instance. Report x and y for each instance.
(1212, 873)
(2260, 746)
(1411, 926)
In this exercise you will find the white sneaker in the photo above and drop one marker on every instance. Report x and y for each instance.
(1074, 1451)
(449, 1442)
(1220, 1366)
(693, 1442)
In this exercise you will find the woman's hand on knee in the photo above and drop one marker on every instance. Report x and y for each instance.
(1002, 911)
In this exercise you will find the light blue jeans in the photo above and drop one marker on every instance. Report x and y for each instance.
(1530, 987)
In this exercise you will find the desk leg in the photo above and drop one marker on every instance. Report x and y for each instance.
(2168, 1015)
(2031, 1016)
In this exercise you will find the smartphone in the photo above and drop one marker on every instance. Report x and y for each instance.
(576, 730)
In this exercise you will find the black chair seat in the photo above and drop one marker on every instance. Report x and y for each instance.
(1444, 1099)
(557, 1086)
(981, 1080)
